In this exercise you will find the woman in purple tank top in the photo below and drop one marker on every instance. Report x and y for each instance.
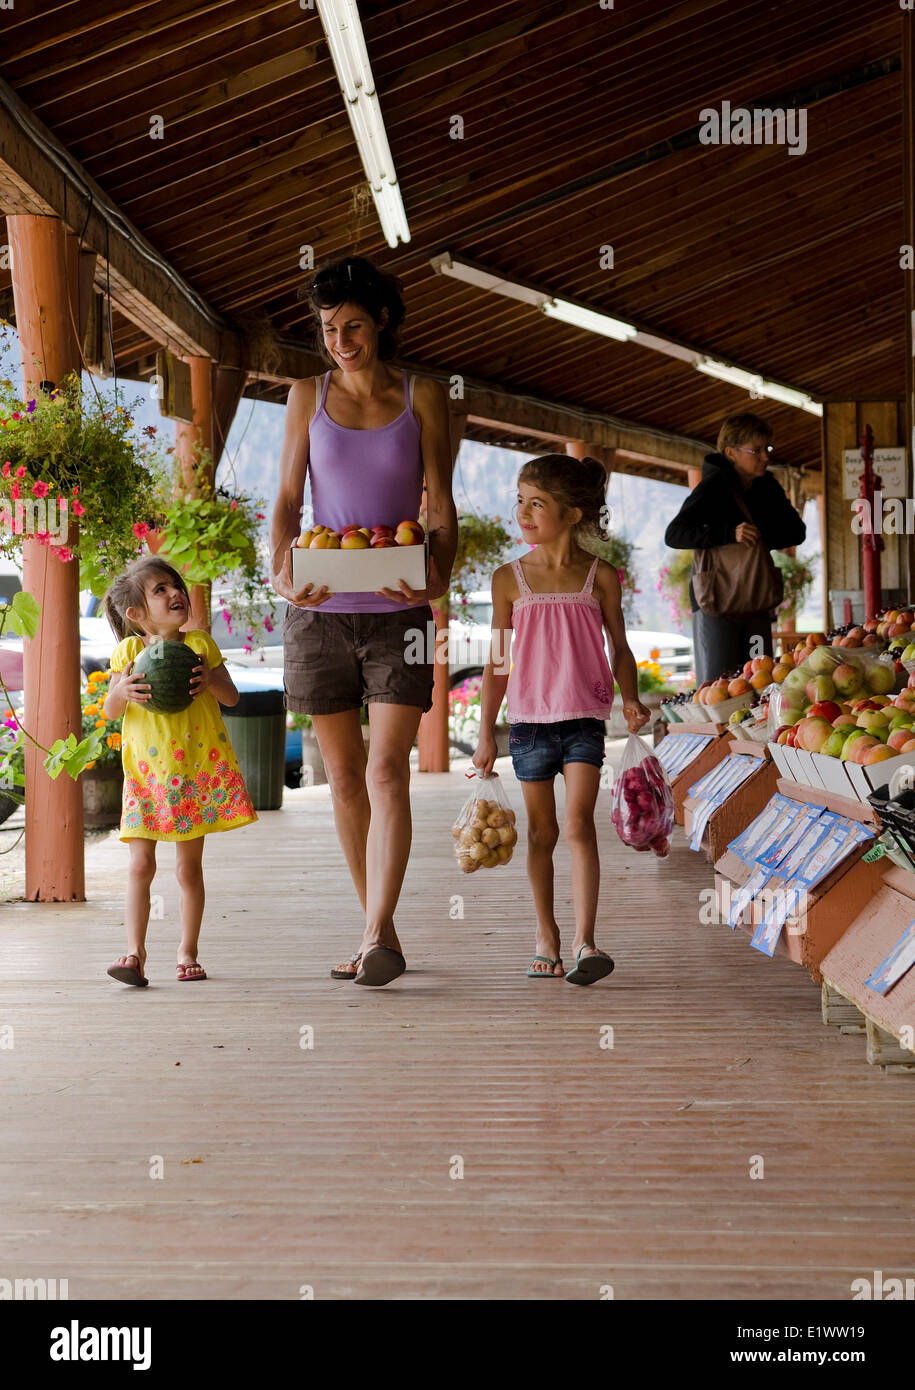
(368, 436)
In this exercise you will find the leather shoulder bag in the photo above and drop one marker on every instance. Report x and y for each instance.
(730, 580)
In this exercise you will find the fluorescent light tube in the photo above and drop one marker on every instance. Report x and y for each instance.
(589, 319)
(483, 280)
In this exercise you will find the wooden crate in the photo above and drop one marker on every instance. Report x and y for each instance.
(741, 807)
(835, 902)
(869, 938)
(710, 757)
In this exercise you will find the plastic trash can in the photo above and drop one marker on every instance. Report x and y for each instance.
(257, 729)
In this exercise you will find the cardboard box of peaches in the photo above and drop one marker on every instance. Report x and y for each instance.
(361, 559)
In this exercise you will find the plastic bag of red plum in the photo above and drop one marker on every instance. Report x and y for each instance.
(641, 801)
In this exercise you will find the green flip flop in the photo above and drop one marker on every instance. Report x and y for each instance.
(592, 968)
(544, 974)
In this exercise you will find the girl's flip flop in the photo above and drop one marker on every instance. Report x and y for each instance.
(128, 974)
(184, 978)
(533, 974)
(592, 968)
(380, 966)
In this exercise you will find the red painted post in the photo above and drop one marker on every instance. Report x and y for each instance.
(871, 542)
(45, 292)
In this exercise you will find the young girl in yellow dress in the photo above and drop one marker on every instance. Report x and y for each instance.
(181, 777)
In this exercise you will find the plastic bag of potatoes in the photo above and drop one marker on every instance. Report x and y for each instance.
(484, 833)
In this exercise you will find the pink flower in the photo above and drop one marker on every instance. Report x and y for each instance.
(14, 491)
(140, 529)
(78, 508)
(40, 489)
(233, 505)
(16, 415)
(43, 537)
(64, 553)
(6, 469)
(21, 471)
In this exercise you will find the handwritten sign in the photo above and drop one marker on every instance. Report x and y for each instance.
(889, 466)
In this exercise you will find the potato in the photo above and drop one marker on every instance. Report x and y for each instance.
(497, 818)
(511, 816)
(457, 831)
(507, 835)
(479, 852)
(490, 861)
(490, 837)
(504, 853)
(468, 865)
(473, 834)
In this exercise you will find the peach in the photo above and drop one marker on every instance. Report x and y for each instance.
(870, 639)
(325, 540)
(738, 686)
(898, 739)
(779, 671)
(860, 746)
(717, 694)
(786, 659)
(409, 533)
(382, 542)
(762, 662)
(876, 755)
(908, 747)
(816, 639)
(747, 669)
(760, 679)
(304, 540)
(813, 733)
(354, 540)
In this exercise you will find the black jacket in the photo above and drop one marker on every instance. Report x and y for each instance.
(710, 515)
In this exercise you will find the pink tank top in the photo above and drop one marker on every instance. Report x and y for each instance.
(559, 662)
(367, 477)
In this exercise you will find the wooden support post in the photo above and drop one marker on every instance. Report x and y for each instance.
(432, 739)
(45, 275)
(907, 45)
(186, 438)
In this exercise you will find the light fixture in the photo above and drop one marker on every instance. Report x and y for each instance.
(483, 280)
(757, 385)
(594, 321)
(346, 43)
(589, 319)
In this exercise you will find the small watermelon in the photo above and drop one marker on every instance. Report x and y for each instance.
(167, 667)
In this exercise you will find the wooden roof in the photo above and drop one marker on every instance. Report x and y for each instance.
(580, 130)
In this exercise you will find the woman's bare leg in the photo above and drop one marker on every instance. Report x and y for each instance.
(392, 734)
(343, 752)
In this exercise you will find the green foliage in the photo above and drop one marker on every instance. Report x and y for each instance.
(68, 755)
(673, 581)
(798, 581)
(67, 456)
(483, 545)
(618, 552)
(210, 533)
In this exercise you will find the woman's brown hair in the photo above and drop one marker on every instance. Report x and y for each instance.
(129, 591)
(357, 280)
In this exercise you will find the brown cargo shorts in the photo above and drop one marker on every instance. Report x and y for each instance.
(339, 661)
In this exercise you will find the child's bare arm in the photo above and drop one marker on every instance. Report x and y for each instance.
(608, 591)
(124, 687)
(217, 680)
(496, 670)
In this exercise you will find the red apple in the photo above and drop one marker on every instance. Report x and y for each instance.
(825, 709)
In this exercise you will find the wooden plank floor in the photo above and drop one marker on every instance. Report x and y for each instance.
(330, 1167)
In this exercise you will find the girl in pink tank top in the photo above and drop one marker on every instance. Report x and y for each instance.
(554, 608)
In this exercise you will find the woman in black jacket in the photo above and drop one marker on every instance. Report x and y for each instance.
(711, 516)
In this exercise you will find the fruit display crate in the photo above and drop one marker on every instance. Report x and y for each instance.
(827, 774)
(705, 759)
(873, 937)
(833, 903)
(741, 807)
(361, 571)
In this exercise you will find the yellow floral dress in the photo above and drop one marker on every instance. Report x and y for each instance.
(181, 776)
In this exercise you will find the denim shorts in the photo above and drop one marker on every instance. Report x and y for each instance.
(539, 751)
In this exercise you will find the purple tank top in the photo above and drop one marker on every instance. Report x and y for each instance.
(366, 477)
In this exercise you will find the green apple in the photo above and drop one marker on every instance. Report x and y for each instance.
(833, 745)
